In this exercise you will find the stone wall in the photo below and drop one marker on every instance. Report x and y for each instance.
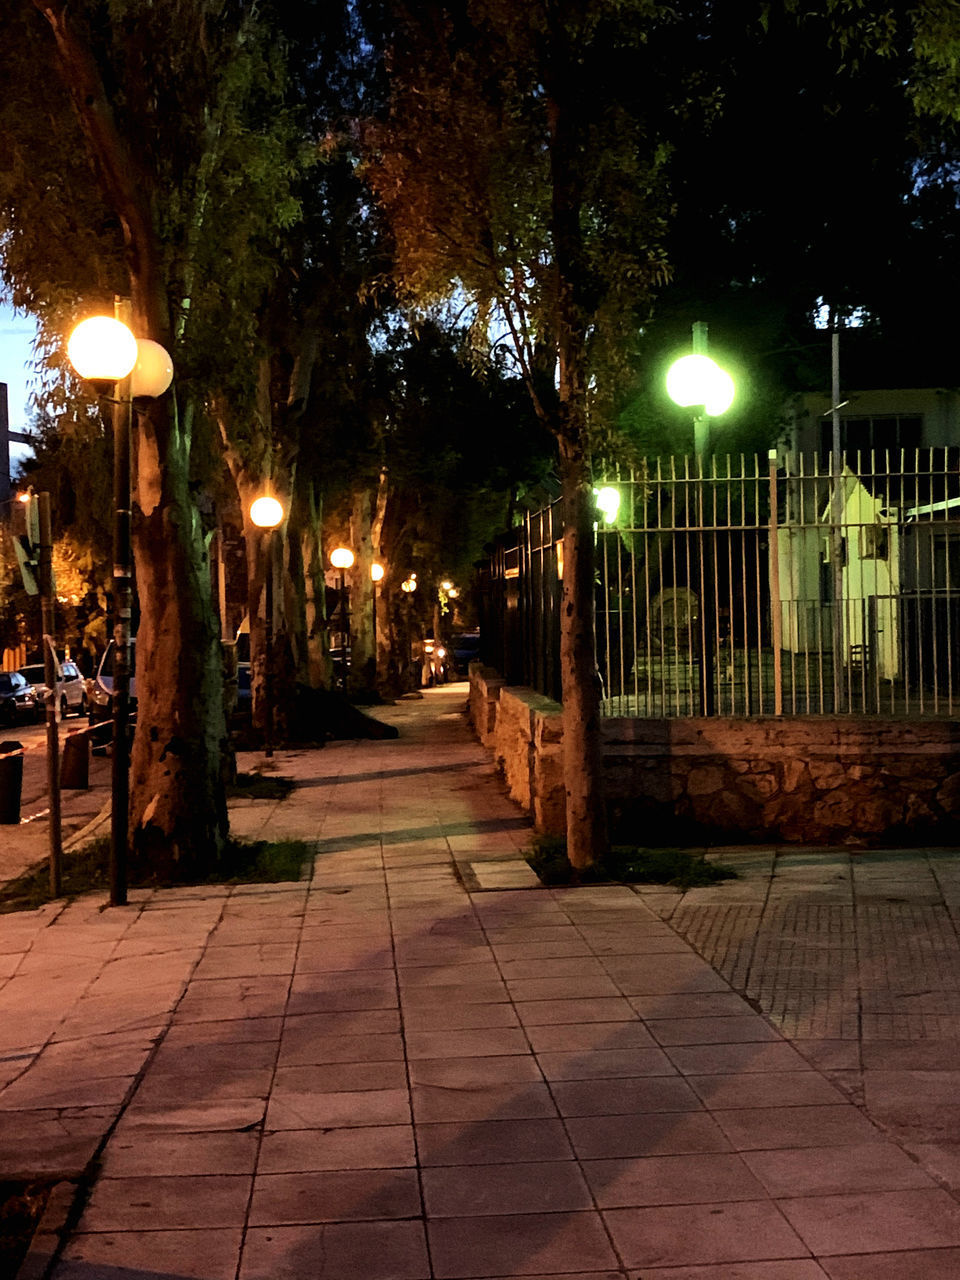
(810, 780)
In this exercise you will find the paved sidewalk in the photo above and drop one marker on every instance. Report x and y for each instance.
(419, 1064)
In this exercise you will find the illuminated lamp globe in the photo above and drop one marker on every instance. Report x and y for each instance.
(608, 502)
(698, 380)
(341, 557)
(376, 572)
(409, 584)
(102, 350)
(153, 372)
(266, 513)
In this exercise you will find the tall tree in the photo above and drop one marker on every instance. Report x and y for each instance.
(162, 138)
(508, 176)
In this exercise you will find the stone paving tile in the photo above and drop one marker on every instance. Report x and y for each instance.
(538, 1242)
(468, 1072)
(763, 1128)
(930, 1264)
(339, 1077)
(664, 1134)
(881, 1221)
(795, 1269)
(624, 1096)
(296, 1110)
(372, 1250)
(605, 1064)
(203, 1254)
(721, 1232)
(493, 1142)
(164, 1203)
(180, 1153)
(476, 1190)
(334, 1196)
(309, 1150)
(833, 1170)
(665, 1180)
(590, 1036)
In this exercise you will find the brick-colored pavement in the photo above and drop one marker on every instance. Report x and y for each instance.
(418, 1064)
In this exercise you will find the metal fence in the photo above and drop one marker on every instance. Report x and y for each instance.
(753, 587)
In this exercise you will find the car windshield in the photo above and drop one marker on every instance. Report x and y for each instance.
(33, 675)
(106, 667)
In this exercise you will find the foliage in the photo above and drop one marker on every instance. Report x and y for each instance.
(477, 90)
(679, 868)
(259, 786)
(88, 871)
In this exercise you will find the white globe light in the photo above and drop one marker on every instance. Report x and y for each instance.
(608, 502)
(720, 393)
(341, 558)
(698, 380)
(102, 349)
(153, 372)
(266, 513)
(376, 572)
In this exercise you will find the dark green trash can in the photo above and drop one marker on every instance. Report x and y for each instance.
(11, 781)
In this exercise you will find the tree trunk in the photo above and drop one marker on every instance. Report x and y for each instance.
(580, 685)
(178, 816)
(362, 679)
(180, 759)
(579, 680)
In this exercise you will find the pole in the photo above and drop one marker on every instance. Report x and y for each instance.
(50, 679)
(776, 619)
(268, 671)
(836, 515)
(701, 423)
(122, 593)
(344, 633)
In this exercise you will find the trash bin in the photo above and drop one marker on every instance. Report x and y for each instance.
(11, 781)
(75, 765)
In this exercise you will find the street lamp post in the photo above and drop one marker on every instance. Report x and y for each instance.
(376, 576)
(267, 514)
(342, 559)
(697, 382)
(105, 353)
(408, 586)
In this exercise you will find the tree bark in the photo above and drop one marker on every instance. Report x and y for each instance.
(579, 679)
(178, 817)
(362, 678)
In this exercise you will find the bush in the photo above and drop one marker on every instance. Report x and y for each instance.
(626, 864)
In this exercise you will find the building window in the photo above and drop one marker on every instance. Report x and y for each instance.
(867, 443)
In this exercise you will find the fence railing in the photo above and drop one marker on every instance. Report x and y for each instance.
(752, 587)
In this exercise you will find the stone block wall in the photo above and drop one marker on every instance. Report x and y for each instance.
(816, 780)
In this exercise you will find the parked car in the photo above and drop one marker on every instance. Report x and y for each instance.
(466, 649)
(16, 698)
(101, 687)
(71, 689)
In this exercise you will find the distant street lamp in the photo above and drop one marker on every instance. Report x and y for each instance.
(696, 381)
(104, 352)
(267, 513)
(342, 559)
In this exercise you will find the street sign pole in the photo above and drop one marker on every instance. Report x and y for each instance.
(50, 673)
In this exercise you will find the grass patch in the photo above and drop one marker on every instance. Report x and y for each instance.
(260, 786)
(627, 864)
(88, 871)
